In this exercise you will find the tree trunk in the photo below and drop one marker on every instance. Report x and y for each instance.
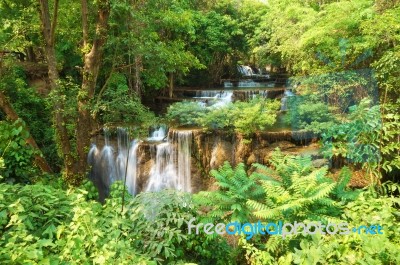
(92, 62)
(171, 85)
(48, 31)
(138, 70)
(7, 108)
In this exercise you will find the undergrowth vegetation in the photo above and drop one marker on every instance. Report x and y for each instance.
(44, 224)
(241, 117)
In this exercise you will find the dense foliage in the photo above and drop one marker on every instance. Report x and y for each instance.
(43, 224)
(69, 68)
(294, 191)
(241, 117)
(17, 155)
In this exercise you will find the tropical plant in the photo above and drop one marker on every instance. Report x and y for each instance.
(357, 138)
(185, 113)
(40, 223)
(241, 117)
(17, 155)
(116, 104)
(358, 248)
(160, 220)
(235, 189)
(295, 191)
(253, 116)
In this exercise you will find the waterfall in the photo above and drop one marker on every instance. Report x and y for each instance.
(132, 169)
(184, 142)
(286, 94)
(93, 157)
(163, 173)
(223, 98)
(158, 134)
(172, 167)
(245, 70)
(123, 140)
(107, 165)
(214, 97)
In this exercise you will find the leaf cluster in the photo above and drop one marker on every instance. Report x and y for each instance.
(241, 117)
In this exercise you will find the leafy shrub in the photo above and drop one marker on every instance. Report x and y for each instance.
(297, 192)
(241, 117)
(289, 190)
(306, 112)
(358, 248)
(17, 154)
(299, 196)
(163, 233)
(185, 113)
(43, 224)
(356, 137)
(33, 109)
(235, 189)
(120, 105)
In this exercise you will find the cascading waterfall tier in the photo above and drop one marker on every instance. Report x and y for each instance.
(170, 161)
(172, 167)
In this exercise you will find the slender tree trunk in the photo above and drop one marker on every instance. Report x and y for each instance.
(92, 62)
(7, 108)
(138, 69)
(48, 31)
(85, 25)
(171, 85)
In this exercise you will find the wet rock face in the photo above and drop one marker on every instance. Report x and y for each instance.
(211, 150)
(221, 152)
(205, 151)
(144, 173)
(318, 163)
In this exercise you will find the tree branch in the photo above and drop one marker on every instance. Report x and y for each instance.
(54, 22)
(7, 108)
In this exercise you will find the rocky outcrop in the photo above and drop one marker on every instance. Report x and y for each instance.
(209, 150)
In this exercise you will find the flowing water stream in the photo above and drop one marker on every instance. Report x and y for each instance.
(171, 161)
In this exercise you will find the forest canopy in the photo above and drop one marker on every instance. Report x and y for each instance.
(285, 110)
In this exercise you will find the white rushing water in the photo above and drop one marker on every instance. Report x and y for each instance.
(132, 171)
(158, 134)
(171, 167)
(184, 147)
(288, 93)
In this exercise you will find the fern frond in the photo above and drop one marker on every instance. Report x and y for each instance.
(257, 206)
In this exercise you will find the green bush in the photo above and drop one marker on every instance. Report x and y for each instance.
(185, 113)
(33, 109)
(228, 203)
(160, 220)
(44, 224)
(118, 105)
(358, 248)
(16, 153)
(308, 112)
(242, 117)
(296, 191)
